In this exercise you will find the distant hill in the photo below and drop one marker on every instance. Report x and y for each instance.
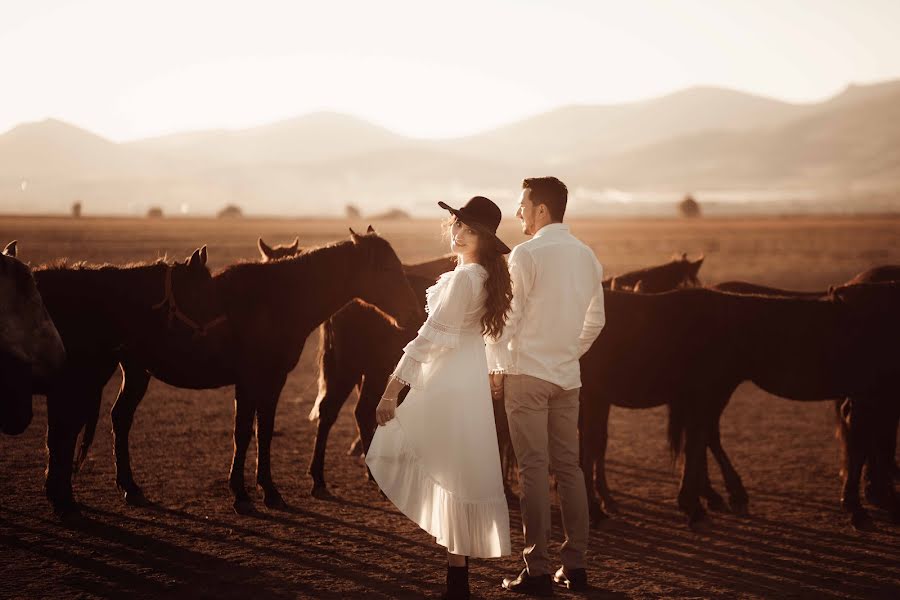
(55, 149)
(849, 140)
(571, 133)
(317, 136)
(699, 138)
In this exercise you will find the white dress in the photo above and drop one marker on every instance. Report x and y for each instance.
(437, 460)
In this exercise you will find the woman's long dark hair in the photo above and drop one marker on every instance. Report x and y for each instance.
(498, 284)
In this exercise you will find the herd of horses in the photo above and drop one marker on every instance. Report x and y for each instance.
(668, 341)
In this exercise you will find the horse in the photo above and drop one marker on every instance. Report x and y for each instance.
(800, 349)
(359, 349)
(272, 308)
(876, 491)
(162, 314)
(595, 407)
(30, 345)
(677, 273)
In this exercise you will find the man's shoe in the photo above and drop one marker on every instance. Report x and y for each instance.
(575, 580)
(537, 585)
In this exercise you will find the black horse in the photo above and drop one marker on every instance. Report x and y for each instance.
(162, 314)
(30, 345)
(271, 309)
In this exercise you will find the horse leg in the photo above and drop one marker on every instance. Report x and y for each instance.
(374, 382)
(334, 393)
(714, 500)
(135, 380)
(691, 475)
(70, 407)
(855, 453)
(599, 465)
(63, 426)
(879, 490)
(244, 411)
(266, 405)
(738, 500)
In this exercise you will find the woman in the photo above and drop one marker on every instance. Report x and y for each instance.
(438, 461)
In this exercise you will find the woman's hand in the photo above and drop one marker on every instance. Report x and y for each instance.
(497, 385)
(385, 410)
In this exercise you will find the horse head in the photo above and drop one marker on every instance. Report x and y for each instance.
(29, 342)
(382, 282)
(268, 253)
(190, 294)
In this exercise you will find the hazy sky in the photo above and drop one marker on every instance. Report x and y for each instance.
(128, 69)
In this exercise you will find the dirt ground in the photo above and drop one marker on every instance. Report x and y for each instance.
(795, 543)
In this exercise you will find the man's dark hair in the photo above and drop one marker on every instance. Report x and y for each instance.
(549, 191)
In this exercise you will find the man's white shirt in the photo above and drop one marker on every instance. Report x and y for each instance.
(557, 308)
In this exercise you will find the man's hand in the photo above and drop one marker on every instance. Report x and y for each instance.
(385, 410)
(497, 385)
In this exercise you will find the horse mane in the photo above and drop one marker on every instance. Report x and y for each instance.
(63, 264)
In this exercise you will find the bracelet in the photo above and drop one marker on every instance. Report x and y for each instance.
(390, 399)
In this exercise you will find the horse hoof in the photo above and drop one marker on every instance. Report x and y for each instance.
(68, 513)
(136, 498)
(598, 516)
(861, 520)
(610, 506)
(275, 501)
(696, 517)
(243, 507)
(740, 508)
(716, 504)
(320, 491)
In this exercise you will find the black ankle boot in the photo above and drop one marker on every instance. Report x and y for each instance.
(457, 583)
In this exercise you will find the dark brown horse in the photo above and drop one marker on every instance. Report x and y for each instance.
(30, 345)
(677, 273)
(272, 308)
(595, 407)
(876, 490)
(359, 349)
(164, 315)
(799, 349)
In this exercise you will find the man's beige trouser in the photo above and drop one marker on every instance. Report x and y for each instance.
(543, 425)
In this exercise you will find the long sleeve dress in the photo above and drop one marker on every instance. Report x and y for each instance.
(437, 460)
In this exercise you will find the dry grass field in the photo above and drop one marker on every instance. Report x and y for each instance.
(795, 543)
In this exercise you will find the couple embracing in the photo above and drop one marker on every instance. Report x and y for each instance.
(514, 330)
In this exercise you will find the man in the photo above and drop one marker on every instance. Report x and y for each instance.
(556, 314)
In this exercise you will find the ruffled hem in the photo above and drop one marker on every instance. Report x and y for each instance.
(477, 528)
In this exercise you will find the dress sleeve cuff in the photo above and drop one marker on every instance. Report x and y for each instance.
(409, 372)
(499, 357)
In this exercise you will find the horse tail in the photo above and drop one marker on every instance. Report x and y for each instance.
(841, 429)
(87, 437)
(327, 365)
(676, 430)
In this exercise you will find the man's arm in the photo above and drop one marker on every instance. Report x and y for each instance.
(522, 272)
(595, 318)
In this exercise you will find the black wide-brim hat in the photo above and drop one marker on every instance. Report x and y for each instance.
(481, 214)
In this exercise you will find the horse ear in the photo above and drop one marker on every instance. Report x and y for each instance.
(10, 249)
(370, 229)
(354, 237)
(195, 260)
(264, 250)
(203, 255)
(296, 243)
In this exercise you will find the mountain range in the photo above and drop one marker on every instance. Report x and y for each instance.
(700, 138)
